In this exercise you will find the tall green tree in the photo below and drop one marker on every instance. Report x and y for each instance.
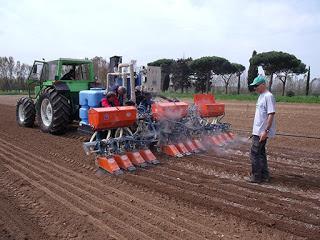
(166, 69)
(207, 66)
(252, 71)
(181, 74)
(200, 81)
(202, 68)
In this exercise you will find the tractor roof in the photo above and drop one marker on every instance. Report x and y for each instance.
(73, 61)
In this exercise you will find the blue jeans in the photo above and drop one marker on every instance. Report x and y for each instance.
(258, 159)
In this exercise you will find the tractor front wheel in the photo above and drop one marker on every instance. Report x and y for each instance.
(53, 112)
(25, 112)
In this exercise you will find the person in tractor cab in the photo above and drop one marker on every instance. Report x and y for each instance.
(110, 100)
(263, 129)
(69, 75)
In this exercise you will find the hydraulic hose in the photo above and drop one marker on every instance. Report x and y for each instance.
(282, 134)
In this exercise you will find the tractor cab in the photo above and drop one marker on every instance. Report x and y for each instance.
(65, 74)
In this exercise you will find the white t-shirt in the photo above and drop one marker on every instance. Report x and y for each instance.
(266, 104)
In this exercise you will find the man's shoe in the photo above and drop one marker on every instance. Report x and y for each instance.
(266, 179)
(252, 179)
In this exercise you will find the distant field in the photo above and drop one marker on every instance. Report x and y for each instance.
(249, 97)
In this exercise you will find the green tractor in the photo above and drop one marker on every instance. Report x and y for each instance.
(54, 103)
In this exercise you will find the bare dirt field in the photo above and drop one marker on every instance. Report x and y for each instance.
(49, 189)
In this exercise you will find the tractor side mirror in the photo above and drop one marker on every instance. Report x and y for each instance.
(56, 77)
(35, 69)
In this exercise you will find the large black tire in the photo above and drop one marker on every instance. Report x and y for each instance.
(53, 112)
(25, 112)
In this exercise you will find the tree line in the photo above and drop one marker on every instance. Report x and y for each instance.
(13, 74)
(201, 72)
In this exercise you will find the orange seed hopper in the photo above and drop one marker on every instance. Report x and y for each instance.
(169, 110)
(112, 117)
(208, 106)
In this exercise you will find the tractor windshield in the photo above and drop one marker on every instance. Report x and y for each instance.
(75, 72)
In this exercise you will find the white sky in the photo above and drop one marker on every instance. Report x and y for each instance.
(147, 30)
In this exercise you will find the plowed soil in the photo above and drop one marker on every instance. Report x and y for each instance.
(49, 189)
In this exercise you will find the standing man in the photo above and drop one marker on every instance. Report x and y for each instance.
(263, 128)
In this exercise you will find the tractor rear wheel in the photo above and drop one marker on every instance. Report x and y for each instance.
(25, 112)
(53, 112)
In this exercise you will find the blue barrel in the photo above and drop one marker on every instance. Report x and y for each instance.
(89, 99)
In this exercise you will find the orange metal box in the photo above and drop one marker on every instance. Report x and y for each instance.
(208, 106)
(203, 99)
(112, 117)
(211, 110)
(169, 110)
